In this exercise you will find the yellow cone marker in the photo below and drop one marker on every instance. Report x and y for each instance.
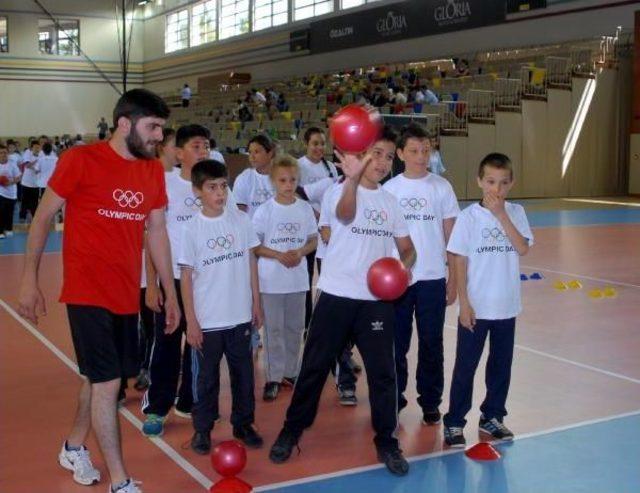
(560, 286)
(574, 284)
(609, 292)
(595, 293)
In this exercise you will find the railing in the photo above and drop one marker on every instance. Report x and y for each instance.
(558, 71)
(482, 105)
(582, 62)
(533, 81)
(453, 116)
(508, 93)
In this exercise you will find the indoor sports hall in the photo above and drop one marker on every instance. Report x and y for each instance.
(552, 84)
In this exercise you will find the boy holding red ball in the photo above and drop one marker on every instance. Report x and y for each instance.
(366, 224)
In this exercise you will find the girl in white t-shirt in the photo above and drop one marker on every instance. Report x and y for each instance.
(253, 187)
(288, 231)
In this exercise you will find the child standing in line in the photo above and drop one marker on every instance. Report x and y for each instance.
(488, 240)
(9, 177)
(288, 231)
(217, 253)
(430, 207)
(253, 186)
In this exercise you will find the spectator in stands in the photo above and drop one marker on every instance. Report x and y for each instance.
(103, 126)
(242, 112)
(399, 100)
(429, 96)
(282, 104)
(258, 98)
(462, 67)
(186, 96)
(379, 99)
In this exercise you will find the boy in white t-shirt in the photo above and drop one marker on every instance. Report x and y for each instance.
(488, 240)
(45, 166)
(9, 177)
(366, 224)
(221, 295)
(430, 207)
(168, 360)
(288, 231)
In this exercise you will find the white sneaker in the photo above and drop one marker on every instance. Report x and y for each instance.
(79, 462)
(8, 234)
(130, 487)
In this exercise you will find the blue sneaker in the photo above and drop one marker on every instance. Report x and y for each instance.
(153, 425)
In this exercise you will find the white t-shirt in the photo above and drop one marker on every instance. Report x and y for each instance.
(318, 192)
(311, 172)
(355, 246)
(44, 167)
(183, 205)
(16, 158)
(426, 203)
(216, 156)
(252, 189)
(11, 171)
(186, 93)
(218, 250)
(493, 265)
(29, 178)
(282, 228)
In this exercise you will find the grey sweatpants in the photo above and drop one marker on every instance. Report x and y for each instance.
(283, 326)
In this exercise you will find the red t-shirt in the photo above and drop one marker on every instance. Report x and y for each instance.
(108, 199)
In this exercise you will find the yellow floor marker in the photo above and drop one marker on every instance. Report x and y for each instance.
(560, 286)
(609, 292)
(574, 285)
(596, 293)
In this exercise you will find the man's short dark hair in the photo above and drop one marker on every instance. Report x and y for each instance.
(188, 132)
(139, 103)
(411, 131)
(495, 160)
(47, 148)
(209, 169)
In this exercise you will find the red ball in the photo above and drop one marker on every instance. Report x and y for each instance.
(387, 278)
(229, 458)
(354, 128)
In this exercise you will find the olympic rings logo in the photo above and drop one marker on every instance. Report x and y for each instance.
(375, 216)
(190, 202)
(264, 194)
(224, 242)
(414, 203)
(127, 198)
(495, 234)
(289, 227)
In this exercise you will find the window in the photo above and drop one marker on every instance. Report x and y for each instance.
(347, 4)
(234, 18)
(4, 37)
(59, 39)
(303, 9)
(204, 22)
(269, 13)
(177, 31)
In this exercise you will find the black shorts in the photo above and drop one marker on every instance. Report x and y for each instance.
(106, 344)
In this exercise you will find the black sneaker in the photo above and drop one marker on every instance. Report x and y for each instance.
(431, 418)
(394, 460)
(201, 443)
(347, 397)
(281, 449)
(271, 390)
(248, 435)
(454, 437)
(495, 428)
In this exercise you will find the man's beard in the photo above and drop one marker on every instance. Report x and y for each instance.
(137, 147)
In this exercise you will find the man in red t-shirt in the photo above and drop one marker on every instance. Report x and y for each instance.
(111, 191)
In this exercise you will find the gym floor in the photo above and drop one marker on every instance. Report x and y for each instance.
(574, 402)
